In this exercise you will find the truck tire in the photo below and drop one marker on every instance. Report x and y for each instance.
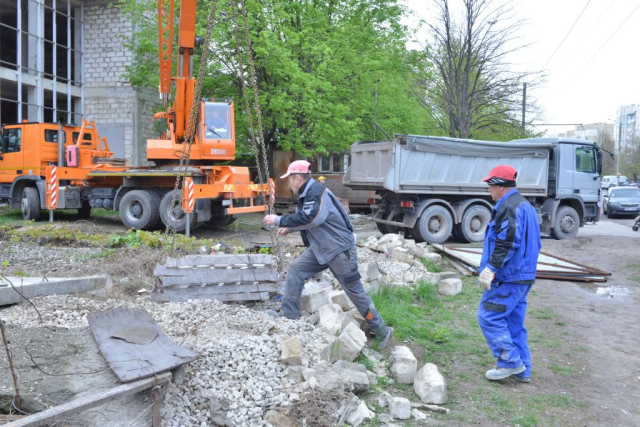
(85, 211)
(474, 222)
(221, 221)
(566, 223)
(387, 229)
(139, 209)
(30, 204)
(172, 215)
(434, 226)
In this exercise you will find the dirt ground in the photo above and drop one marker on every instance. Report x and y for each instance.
(598, 323)
(602, 327)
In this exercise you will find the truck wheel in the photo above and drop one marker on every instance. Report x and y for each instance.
(30, 204)
(85, 211)
(387, 229)
(566, 223)
(139, 209)
(172, 214)
(221, 221)
(435, 225)
(474, 223)
(457, 233)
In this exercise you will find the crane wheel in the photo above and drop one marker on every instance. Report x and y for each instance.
(139, 209)
(30, 204)
(172, 215)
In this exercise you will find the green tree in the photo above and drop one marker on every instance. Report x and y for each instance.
(316, 61)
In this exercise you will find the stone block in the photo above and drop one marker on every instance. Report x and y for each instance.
(340, 297)
(371, 287)
(369, 271)
(291, 351)
(278, 419)
(329, 318)
(358, 415)
(430, 385)
(389, 238)
(449, 275)
(450, 287)
(433, 257)
(346, 319)
(359, 318)
(313, 298)
(400, 408)
(404, 364)
(400, 254)
(295, 373)
(352, 340)
(32, 287)
(431, 278)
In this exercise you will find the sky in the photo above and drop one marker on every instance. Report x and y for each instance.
(580, 88)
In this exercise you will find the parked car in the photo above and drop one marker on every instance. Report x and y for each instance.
(621, 200)
(633, 184)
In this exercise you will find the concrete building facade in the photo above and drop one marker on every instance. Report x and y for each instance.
(66, 60)
(626, 128)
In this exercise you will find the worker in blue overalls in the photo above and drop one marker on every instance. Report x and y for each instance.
(508, 269)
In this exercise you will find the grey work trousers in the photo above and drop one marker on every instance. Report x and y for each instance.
(345, 268)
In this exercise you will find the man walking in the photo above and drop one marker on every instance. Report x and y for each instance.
(328, 235)
(508, 269)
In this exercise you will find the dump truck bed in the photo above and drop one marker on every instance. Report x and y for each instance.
(437, 165)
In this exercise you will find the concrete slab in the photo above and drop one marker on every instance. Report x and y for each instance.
(39, 286)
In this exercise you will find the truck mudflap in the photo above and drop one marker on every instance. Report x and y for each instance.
(246, 209)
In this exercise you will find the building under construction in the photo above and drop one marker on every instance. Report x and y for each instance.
(62, 60)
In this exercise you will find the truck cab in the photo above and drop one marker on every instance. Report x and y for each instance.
(26, 149)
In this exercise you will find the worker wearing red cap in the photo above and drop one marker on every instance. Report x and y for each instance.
(508, 269)
(328, 235)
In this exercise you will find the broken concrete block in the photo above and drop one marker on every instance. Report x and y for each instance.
(393, 245)
(32, 287)
(383, 399)
(295, 373)
(400, 408)
(432, 257)
(420, 416)
(430, 385)
(352, 340)
(388, 238)
(400, 254)
(450, 287)
(369, 271)
(340, 297)
(308, 373)
(357, 416)
(359, 318)
(345, 319)
(410, 277)
(372, 240)
(329, 321)
(449, 275)
(313, 298)
(291, 351)
(404, 364)
(354, 375)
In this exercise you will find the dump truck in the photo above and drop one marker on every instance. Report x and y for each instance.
(431, 187)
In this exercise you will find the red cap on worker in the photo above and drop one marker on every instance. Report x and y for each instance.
(299, 166)
(502, 175)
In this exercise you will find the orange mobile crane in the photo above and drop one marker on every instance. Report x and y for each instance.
(57, 166)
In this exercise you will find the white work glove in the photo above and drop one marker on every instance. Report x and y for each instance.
(485, 279)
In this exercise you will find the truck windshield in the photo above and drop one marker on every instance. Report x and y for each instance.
(585, 160)
(217, 120)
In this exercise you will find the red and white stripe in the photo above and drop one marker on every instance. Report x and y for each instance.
(273, 190)
(53, 187)
(192, 200)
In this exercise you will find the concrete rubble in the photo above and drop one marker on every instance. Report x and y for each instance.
(261, 366)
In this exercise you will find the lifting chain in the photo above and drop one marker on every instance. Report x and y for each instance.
(191, 127)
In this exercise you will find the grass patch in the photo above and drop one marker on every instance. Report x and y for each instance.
(582, 349)
(364, 360)
(634, 266)
(636, 278)
(560, 323)
(541, 313)
(552, 343)
(105, 253)
(431, 266)
(563, 370)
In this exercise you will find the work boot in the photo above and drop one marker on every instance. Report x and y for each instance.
(383, 336)
(499, 373)
(522, 379)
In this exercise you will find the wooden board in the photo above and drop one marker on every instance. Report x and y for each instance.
(198, 276)
(62, 412)
(197, 293)
(222, 259)
(130, 361)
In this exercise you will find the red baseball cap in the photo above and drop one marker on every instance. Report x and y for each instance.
(299, 166)
(501, 174)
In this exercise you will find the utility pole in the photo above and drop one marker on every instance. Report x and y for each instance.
(618, 147)
(375, 110)
(524, 102)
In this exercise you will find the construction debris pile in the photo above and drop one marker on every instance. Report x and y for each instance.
(254, 369)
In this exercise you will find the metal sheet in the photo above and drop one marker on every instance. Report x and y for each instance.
(135, 361)
(549, 266)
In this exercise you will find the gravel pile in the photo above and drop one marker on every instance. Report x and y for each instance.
(239, 353)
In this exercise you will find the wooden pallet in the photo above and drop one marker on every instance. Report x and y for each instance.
(225, 277)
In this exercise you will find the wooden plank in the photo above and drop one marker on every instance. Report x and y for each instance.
(134, 361)
(212, 260)
(215, 277)
(62, 412)
(168, 295)
(225, 289)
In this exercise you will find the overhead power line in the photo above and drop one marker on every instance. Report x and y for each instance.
(594, 25)
(603, 45)
(565, 37)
